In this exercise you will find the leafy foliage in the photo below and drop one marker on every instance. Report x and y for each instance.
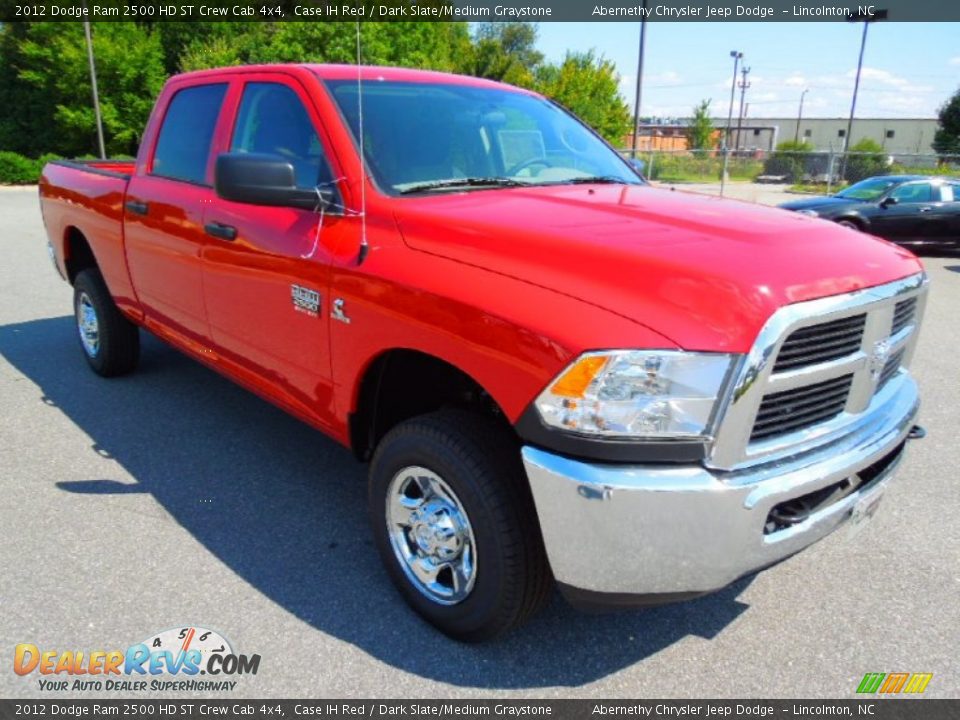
(946, 141)
(788, 160)
(700, 132)
(866, 160)
(45, 84)
(588, 85)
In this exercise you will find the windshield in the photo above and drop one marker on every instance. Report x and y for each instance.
(868, 189)
(425, 137)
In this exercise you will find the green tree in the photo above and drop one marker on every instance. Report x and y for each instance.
(589, 86)
(866, 159)
(47, 84)
(700, 133)
(946, 141)
(505, 52)
(790, 160)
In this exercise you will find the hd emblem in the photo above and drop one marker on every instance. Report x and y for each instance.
(305, 300)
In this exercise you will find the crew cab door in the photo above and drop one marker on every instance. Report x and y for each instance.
(164, 205)
(904, 221)
(267, 269)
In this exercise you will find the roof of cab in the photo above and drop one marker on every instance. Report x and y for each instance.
(366, 72)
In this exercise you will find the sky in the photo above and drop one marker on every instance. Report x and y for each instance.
(909, 69)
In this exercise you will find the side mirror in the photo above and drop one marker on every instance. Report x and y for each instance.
(888, 201)
(261, 179)
(638, 165)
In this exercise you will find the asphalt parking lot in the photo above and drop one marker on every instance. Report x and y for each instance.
(172, 497)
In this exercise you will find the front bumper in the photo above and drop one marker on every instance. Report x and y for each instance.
(641, 534)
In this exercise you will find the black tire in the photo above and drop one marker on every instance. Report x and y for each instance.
(117, 346)
(481, 463)
(852, 224)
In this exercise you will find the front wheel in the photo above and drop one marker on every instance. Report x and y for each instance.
(110, 342)
(455, 524)
(849, 224)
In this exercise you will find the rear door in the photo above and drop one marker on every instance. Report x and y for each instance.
(266, 287)
(163, 215)
(945, 215)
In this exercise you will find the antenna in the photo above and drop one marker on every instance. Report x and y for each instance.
(364, 247)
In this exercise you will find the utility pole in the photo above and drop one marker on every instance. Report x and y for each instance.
(636, 102)
(866, 19)
(725, 149)
(93, 86)
(796, 136)
(743, 91)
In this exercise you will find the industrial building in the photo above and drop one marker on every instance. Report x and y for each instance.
(898, 136)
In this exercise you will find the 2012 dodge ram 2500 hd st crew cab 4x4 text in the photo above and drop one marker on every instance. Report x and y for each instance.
(557, 372)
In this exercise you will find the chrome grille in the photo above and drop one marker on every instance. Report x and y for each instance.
(890, 368)
(903, 314)
(790, 410)
(819, 370)
(821, 343)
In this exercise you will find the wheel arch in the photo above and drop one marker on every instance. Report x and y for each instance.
(77, 253)
(400, 383)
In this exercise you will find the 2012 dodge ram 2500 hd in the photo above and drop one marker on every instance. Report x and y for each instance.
(556, 371)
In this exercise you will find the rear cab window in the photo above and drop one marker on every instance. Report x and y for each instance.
(183, 144)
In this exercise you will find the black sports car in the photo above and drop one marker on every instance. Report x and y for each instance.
(911, 210)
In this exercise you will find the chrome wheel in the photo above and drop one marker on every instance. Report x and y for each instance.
(431, 535)
(88, 325)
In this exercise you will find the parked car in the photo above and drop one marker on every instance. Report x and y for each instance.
(910, 210)
(555, 371)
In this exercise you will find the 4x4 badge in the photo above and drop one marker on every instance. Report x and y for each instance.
(337, 312)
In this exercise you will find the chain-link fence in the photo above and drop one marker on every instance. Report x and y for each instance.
(821, 170)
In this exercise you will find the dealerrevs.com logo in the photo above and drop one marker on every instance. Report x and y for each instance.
(172, 660)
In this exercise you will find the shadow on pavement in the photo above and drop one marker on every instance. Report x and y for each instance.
(285, 509)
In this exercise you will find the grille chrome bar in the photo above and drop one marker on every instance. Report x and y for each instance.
(794, 409)
(820, 343)
(750, 430)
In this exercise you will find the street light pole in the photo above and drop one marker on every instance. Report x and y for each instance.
(93, 86)
(796, 136)
(866, 19)
(636, 102)
(724, 146)
(743, 91)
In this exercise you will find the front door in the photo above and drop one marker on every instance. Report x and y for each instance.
(267, 269)
(902, 221)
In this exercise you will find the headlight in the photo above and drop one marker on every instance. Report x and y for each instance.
(811, 213)
(636, 394)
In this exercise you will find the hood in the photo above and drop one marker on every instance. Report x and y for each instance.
(703, 272)
(818, 203)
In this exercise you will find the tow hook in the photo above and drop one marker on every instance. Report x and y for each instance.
(917, 432)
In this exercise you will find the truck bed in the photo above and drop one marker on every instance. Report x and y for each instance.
(84, 199)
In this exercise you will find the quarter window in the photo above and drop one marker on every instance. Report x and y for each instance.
(272, 120)
(183, 145)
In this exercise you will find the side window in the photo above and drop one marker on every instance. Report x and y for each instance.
(272, 120)
(950, 192)
(187, 131)
(912, 193)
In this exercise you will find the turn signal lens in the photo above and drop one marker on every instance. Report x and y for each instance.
(636, 394)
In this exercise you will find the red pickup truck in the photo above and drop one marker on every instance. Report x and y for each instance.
(557, 373)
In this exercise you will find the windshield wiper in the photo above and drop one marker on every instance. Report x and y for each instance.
(455, 183)
(592, 180)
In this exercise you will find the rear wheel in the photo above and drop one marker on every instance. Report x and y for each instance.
(852, 224)
(109, 341)
(455, 524)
